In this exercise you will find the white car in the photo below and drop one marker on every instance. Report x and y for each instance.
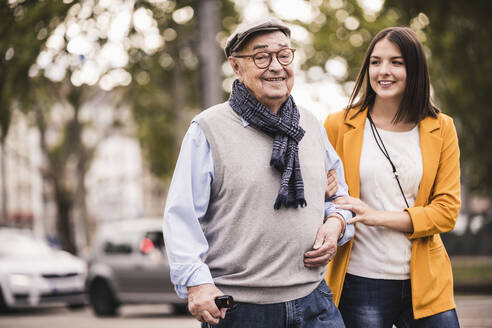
(34, 274)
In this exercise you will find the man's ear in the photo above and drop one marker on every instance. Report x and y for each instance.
(235, 66)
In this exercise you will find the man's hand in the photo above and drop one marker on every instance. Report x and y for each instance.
(201, 303)
(325, 245)
(332, 186)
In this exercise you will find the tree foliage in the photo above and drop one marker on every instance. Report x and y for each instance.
(173, 90)
(165, 90)
(23, 30)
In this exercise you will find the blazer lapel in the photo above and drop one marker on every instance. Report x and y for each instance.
(430, 145)
(352, 147)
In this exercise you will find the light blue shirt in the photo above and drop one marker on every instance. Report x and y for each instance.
(187, 203)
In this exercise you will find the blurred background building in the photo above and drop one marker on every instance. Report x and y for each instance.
(119, 185)
(22, 183)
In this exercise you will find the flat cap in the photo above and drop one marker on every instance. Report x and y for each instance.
(240, 35)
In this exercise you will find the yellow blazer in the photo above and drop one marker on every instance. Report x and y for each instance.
(435, 210)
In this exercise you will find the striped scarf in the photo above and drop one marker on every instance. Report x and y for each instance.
(286, 134)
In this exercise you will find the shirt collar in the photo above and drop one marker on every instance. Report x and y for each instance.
(245, 123)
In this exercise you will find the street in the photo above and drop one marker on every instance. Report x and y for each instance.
(473, 312)
(131, 316)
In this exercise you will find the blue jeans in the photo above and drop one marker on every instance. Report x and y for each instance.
(312, 311)
(381, 303)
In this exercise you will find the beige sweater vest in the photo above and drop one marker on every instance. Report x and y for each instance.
(255, 252)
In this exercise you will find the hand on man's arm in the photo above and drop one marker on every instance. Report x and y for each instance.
(201, 303)
(332, 184)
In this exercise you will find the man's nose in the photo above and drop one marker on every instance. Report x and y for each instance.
(275, 64)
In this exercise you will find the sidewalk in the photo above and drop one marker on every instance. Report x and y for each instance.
(474, 311)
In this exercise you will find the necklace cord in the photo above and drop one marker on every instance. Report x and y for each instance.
(381, 146)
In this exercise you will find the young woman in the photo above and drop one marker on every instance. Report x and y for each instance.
(401, 160)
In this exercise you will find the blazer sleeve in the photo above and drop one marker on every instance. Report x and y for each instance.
(331, 125)
(441, 212)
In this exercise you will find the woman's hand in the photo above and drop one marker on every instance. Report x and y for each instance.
(400, 221)
(363, 212)
(332, 186)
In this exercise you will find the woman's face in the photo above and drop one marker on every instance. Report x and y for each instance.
(387, 72)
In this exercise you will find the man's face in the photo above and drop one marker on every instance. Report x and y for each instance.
(271, 86)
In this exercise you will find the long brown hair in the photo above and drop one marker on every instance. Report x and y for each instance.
(416, 103)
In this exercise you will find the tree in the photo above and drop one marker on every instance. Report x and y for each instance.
(19, 47)
(126, 50)
(59, 110)
(183, 77)
(209, 53)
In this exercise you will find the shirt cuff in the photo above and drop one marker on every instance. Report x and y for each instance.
(349, 228)
(201, 275)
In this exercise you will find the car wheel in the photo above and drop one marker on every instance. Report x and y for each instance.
(181, 309)
(102, 298)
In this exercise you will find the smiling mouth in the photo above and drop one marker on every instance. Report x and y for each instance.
(275, 79)
(385, 83)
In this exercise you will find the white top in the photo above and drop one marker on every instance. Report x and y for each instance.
(379, 252)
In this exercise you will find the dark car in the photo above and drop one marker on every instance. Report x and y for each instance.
(128, 265)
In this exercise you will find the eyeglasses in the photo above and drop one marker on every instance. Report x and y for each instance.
(263, 59)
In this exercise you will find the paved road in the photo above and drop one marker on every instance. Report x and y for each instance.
(131, 316)
(473, 311)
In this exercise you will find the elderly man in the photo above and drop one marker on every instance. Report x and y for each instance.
(246, 213)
